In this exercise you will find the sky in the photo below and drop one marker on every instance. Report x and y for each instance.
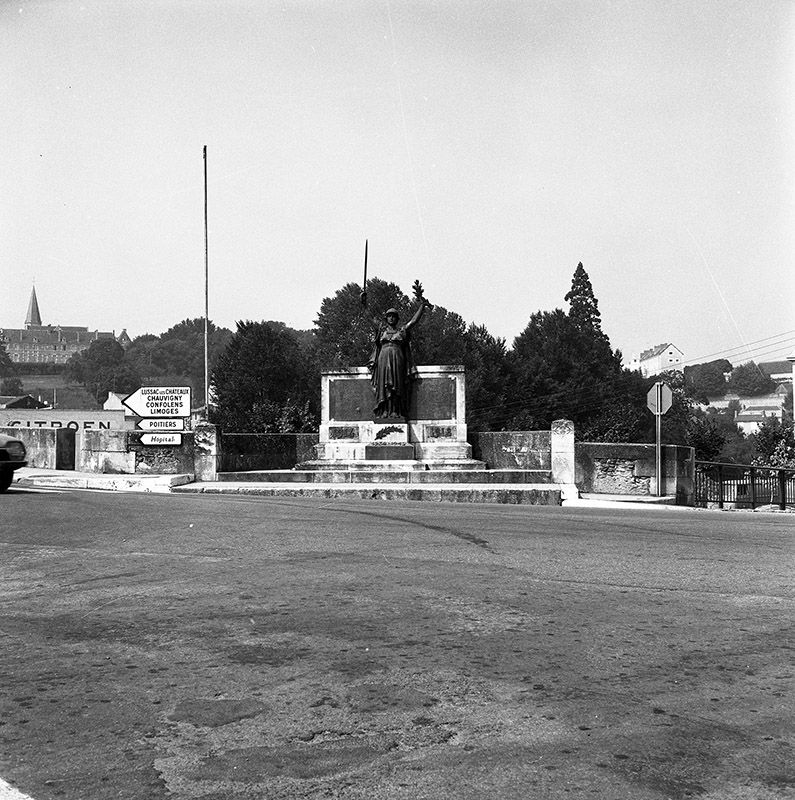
(484, 148)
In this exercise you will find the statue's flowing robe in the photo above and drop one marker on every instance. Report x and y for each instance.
(392, 366)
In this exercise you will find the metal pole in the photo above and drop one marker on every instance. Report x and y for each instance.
(206, 301)
(658, 453)
(658, 428)
(782, 490)
(752, 472)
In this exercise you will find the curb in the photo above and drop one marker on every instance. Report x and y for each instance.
(162, 484)
(517, 494)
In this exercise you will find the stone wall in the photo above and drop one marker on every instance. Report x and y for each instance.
(241, 452)
(630, 469)
(122, 452)
(47, 448)
(512, 449)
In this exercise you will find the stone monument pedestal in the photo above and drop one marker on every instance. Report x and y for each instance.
(433, 437)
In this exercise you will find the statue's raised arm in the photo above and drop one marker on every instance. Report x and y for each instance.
(419, 296)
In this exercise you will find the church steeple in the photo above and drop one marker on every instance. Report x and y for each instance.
(33, 317)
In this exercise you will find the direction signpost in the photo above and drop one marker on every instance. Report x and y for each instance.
(164, 425)
(163, 410)
(161, 439)
(659, 400)
(159, 401)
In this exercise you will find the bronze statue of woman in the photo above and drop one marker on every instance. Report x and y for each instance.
(391, 363)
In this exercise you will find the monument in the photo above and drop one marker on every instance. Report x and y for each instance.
(393, 411)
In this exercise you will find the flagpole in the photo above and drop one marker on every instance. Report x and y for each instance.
(206, 301)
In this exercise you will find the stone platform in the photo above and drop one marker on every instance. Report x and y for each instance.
(513, 494)
(466, 482)
(389, 466)
(371, 473)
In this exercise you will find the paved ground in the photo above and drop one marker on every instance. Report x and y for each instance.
(156, 646)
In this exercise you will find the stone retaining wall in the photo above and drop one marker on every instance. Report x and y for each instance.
(241, 452)
(122, 452)
(630, 469)
(512, 449)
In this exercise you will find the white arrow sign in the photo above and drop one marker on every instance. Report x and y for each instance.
(163, 439)
(159, 401)
(172, 424)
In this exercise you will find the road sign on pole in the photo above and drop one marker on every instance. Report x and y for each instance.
(168, 424)
(159, 401)
(163, 439)
(659, 401)
(659, 398)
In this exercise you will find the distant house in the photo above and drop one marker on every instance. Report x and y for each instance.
(50, 344)
(21, 401)
(779, 371)
(751, 417)
(657, 359)
(769, 404)
(114, 402)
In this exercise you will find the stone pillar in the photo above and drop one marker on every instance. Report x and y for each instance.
(206, 451)
(562, 452)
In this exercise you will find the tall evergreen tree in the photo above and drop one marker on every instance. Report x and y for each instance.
(584, 307)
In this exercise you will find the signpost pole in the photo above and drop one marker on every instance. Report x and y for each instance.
(658, 450)
(659, 400)
(206, 301)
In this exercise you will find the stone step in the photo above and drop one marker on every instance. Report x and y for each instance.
(371, 476)
(517, 494)
(404, 465)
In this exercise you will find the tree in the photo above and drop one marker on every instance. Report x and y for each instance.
(748, 380)
(707, 380)
(562, 365)
(178, 353)
(676, 420)
(439, 337)
(344, 328)
(11, 387)
(485, 361)
(705, 436)
(623, 415)
(775, 444)
(262, 382)
(558, 368)
(584, 307)
(10, 384)
(103, 368)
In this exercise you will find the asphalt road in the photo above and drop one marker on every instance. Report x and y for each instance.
(217, 647)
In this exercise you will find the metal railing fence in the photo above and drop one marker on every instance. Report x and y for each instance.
(742, 486)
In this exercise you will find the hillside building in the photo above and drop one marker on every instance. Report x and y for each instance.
(780, 371)
(50, 344)
(657, 359)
